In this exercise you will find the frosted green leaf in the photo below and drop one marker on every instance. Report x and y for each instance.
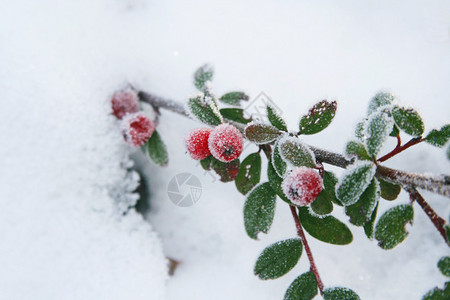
(226, 171)
(278, 259)
(275, 119)
(448, 152)
(440, 137)
(278, 162)
(259, 209)
(354, 182)
(340, 293)
(408, 120)
(304, 287)
(234, 114)
(369, 226)
(395, 131)
(204, 109)
(234, 98)
(261, 133)
(326, 229)
(355, 148)
(359, 130)
(362, 210)
(249, 173)
(438, 294)
(157, 150)
(379, 100)
(377, 129)
(390, 229)
(202, 75)
(296, 152)
(318, 117)
(275, 182)
(329, 182)
(389, 191)
(322, 205)
(444, 265)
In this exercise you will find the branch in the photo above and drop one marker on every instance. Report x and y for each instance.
(400, 148)
(436, 184)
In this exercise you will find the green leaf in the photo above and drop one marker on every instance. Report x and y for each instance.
(380, 99)
(328, 229)
(438, 294)
(249, 173)
(369, 226)
(296, 153)
(275, 182)
(390, 229)
(226, 171)
(448, 152)
(329, 182)
(340, 293)
(234, 98)
(157, 150)
(377, 129)
(444, 265)
(275, 118)
(278, 162)
(355, 148)
(440, 137)
(361, 211)
(408, 120)
(205, 110)
(322, 205)
(318, 117)
(259, 209)
(261, 133)
(304, 287)
(202, 75)
(389, 191)
(359, 130)
(234, 114)
(278, 259)
(395, 131)
(354, 182)
(206, 163)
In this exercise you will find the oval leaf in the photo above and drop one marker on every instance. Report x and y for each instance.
(318, 117)
(379, 100)
(361, 211)
(354, 148)
(304, 287)
(259, 209)
(389, 191)
(340, 293)
(369, 226)
(157, 150)
(278, 259)
(296, 153)
(322, 205)
(438, 294)
(390, 229)
(249, 173)
(376, 131)
(444, 265)
(328, 229)
(329, 182)
(440, 137)
(226, 171)
(261, 133)
(275, 182)
(234, 98)
(278, 162)
(275, 118)
(355, 181)
(234, 114)
(202, 75)
(204, 109)
(408, 120)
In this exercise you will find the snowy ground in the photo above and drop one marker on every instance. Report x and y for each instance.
(62, 236)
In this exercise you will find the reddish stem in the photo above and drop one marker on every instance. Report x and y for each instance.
(399, 148)
(302, 236)
(438, 222)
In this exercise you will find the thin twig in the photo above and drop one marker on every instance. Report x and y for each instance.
(399, 148)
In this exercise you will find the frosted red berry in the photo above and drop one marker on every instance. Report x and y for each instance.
(137, 128)
(225, 142)
(197, 143)
(124, 102)
(302, 186)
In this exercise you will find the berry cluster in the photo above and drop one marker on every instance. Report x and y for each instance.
(136, 126)
(302, 186)
(224, 142)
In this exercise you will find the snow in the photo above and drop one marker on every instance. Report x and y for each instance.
(61, 153)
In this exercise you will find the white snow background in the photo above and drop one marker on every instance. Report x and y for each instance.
(62, 158)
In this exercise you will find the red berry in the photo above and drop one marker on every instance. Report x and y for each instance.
(197, 143)
(225, 142)
(137, 128)
(302, 186)
(124, 102)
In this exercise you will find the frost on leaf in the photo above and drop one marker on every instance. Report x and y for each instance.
(362, 210)
(234, 114)
(440, 137)
(278, 162)
(202, 75)
(329, 182)
(369, 226)
(261, 133)
(296, 152)
(438, 294)
(354, 182)
(259, 209)
(304, 287)
(275, 118)
(390, 229)
(444, 265)
(359, 130)
(376, 131)
(234, 98)
(249, 173)
(275, 182)
(356, 148)
(340, 293)
(204, 109)
(278, 259)
(318, 117)
(157, 150)
(379, 100)
(408, 120)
